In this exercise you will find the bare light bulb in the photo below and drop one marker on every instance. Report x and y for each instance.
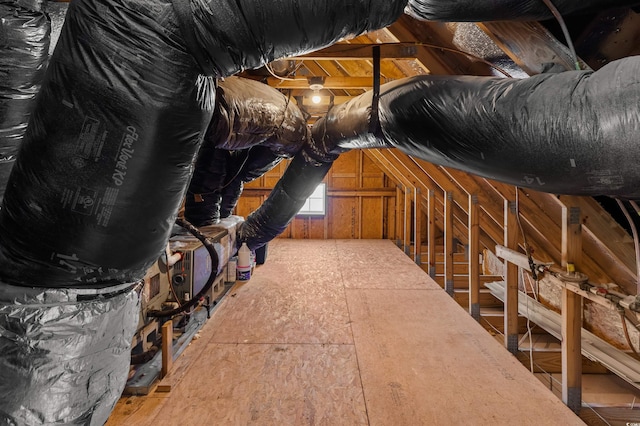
(315, 97)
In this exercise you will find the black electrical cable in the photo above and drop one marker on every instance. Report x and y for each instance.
(212, 277)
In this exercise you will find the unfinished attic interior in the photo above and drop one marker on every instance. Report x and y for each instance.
(437, 202)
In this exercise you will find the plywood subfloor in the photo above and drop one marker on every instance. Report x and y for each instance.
(344, 332)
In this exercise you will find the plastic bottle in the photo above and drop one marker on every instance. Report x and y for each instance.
(244, 263)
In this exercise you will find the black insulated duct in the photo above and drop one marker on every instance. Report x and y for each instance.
(235, 35)
(254, 126)
(285, 201)
(101, 173)
(574, 132)
(308, 168)
(24, 45)
(504, 10)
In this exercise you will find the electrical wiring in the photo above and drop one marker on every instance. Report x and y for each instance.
(268, 68)
(534, 274)
(565, 31)
(208, 284)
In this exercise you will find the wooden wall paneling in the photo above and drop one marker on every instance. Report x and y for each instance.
(299, 227)
(373, 214)
(511, 277)
(372, 175)
(389, 218)
(397, 171)
(417, 176)
(249, 203)
(317, 227)
(307, 227)
(393, 168)
(474, 254)
(571, 311)
(344, 171)
(344, 218)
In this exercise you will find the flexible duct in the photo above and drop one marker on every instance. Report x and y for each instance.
(24, 47)
(570, 133)
(504, 10)
(105, 162)
(104, 166)
(308, 168)
(285, 200)
(261, 126)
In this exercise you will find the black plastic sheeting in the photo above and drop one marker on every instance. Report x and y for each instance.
(504, 10)
(254, 127)
(574, 132)
(242, 34)
(24, 46)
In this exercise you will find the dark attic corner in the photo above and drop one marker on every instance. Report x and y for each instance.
(414, 212)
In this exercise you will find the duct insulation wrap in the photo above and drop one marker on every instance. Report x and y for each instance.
(24, 47)
(218, 179)
(259, 160)
(574, 132)
(64, 354)
(504, 10)
(242, 34)
(107, 155)
(285, 201)
(31, 5)
(251, 113)
(347, 126)
(261, 125)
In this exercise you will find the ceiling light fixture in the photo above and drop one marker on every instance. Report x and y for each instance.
(316, 84)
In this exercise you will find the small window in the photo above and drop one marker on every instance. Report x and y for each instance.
(315, 204)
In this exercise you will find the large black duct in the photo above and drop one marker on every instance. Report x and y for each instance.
(218, 180)
(285, 201)
(235, 35)
(504, 10)
(106, 159)
(254, 126)
(574, 132)
(308, 168)
(24, 47)
(103, 168)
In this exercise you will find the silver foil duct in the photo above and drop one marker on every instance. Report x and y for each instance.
(64, 353)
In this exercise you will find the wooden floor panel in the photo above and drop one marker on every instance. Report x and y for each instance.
(425, 361)
(343, 332)
(258, 384)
